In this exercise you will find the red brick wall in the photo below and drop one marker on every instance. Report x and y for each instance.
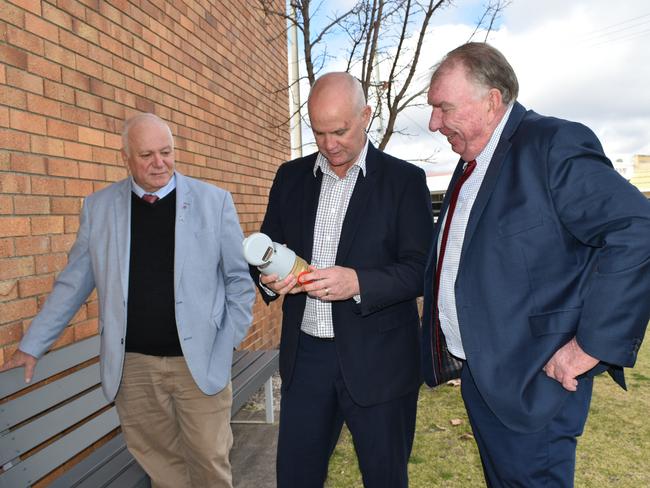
(72, 70)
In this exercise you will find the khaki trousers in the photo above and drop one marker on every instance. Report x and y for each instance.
(180, 436)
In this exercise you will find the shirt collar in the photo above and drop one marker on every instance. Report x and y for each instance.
(161, 193)
(324, 165)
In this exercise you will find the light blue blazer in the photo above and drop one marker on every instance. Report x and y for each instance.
(212, 287)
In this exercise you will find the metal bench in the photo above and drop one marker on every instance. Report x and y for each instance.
(63, 412)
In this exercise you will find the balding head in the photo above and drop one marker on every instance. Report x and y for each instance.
(340, 86)
(339, 116)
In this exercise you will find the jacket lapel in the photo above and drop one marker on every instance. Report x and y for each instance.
(362, 189)
(122, 216)
(184, 198)
(311, 192)
(492, 174)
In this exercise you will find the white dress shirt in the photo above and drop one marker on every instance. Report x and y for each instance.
(447, 312)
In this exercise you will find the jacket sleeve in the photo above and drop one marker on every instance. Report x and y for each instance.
(71, 289)
(240, 292)
(603, 211)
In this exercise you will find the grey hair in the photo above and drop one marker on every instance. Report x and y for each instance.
(486, 66)
(135, 120)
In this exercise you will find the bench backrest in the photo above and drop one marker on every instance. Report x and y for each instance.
(58, 416)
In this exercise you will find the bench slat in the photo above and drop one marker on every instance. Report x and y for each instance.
(24, 438)
(35, 467)
(45, 397)
(251, 379)
(52, 363)
(110, 465)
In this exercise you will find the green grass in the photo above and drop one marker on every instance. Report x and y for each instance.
(614, 451)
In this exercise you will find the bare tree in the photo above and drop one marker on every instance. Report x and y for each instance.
(382, 35)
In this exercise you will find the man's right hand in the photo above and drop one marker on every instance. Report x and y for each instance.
(20, 358)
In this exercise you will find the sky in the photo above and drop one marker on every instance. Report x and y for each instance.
(582, 60)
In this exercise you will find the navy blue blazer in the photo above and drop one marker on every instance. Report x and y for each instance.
(557, 245)
(386, 236)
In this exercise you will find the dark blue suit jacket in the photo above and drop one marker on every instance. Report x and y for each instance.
(386, 236)
(557, 245)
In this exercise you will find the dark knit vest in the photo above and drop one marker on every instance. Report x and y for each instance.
(151, 323)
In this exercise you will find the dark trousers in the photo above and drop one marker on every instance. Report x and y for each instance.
(312, 413)
(527, 460)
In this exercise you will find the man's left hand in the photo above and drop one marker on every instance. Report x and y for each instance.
(331, 284)
(569, 362)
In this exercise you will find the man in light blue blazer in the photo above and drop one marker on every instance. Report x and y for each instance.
(539, 277)
(175, 297)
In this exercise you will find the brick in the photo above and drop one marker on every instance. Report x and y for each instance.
(92, 309)
(101, 88)
(47, 186)
(47, 225)
(27, 122)
(50, 263)
(32, 245)
(86, 100)
(6, 205)
(11, 139)
(57, 16)
(91, 171)
(35, 285)
(100, 55)
(24, 80)
(14, 226)
(44, 106)
(113, 141)
(33, 6)
(19, 37)
(66, 338)
(88, 66)
(46, 145)
(75, 79)
(63, 243)
(75, 115)
(36, 25)
(59, 54)
(77, 151)
(8, 290)
(78, 188)
(12, 311)
(16, 268)
(59, 92)
(28, 205)
(74, 8)
(28, 163)
(7, 248)
(3, 75)
(13, 97)
(85, 329)
(44, 68)
(10, 332)
(13, 56)
(14, 183)
(107, 156)
(62, 130)
(12, 14)
(91, 136)
(4, 117)
(102, 122)
(71, 224)
(66, 205)
(62, 167)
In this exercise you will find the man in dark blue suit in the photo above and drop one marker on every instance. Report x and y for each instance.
(545, 271)
(348, 350)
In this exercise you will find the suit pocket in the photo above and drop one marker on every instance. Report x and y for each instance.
(518, 224)
(559, 322)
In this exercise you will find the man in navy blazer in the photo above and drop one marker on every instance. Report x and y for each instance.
(350, 337)
(175, 297)
(545, 277)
